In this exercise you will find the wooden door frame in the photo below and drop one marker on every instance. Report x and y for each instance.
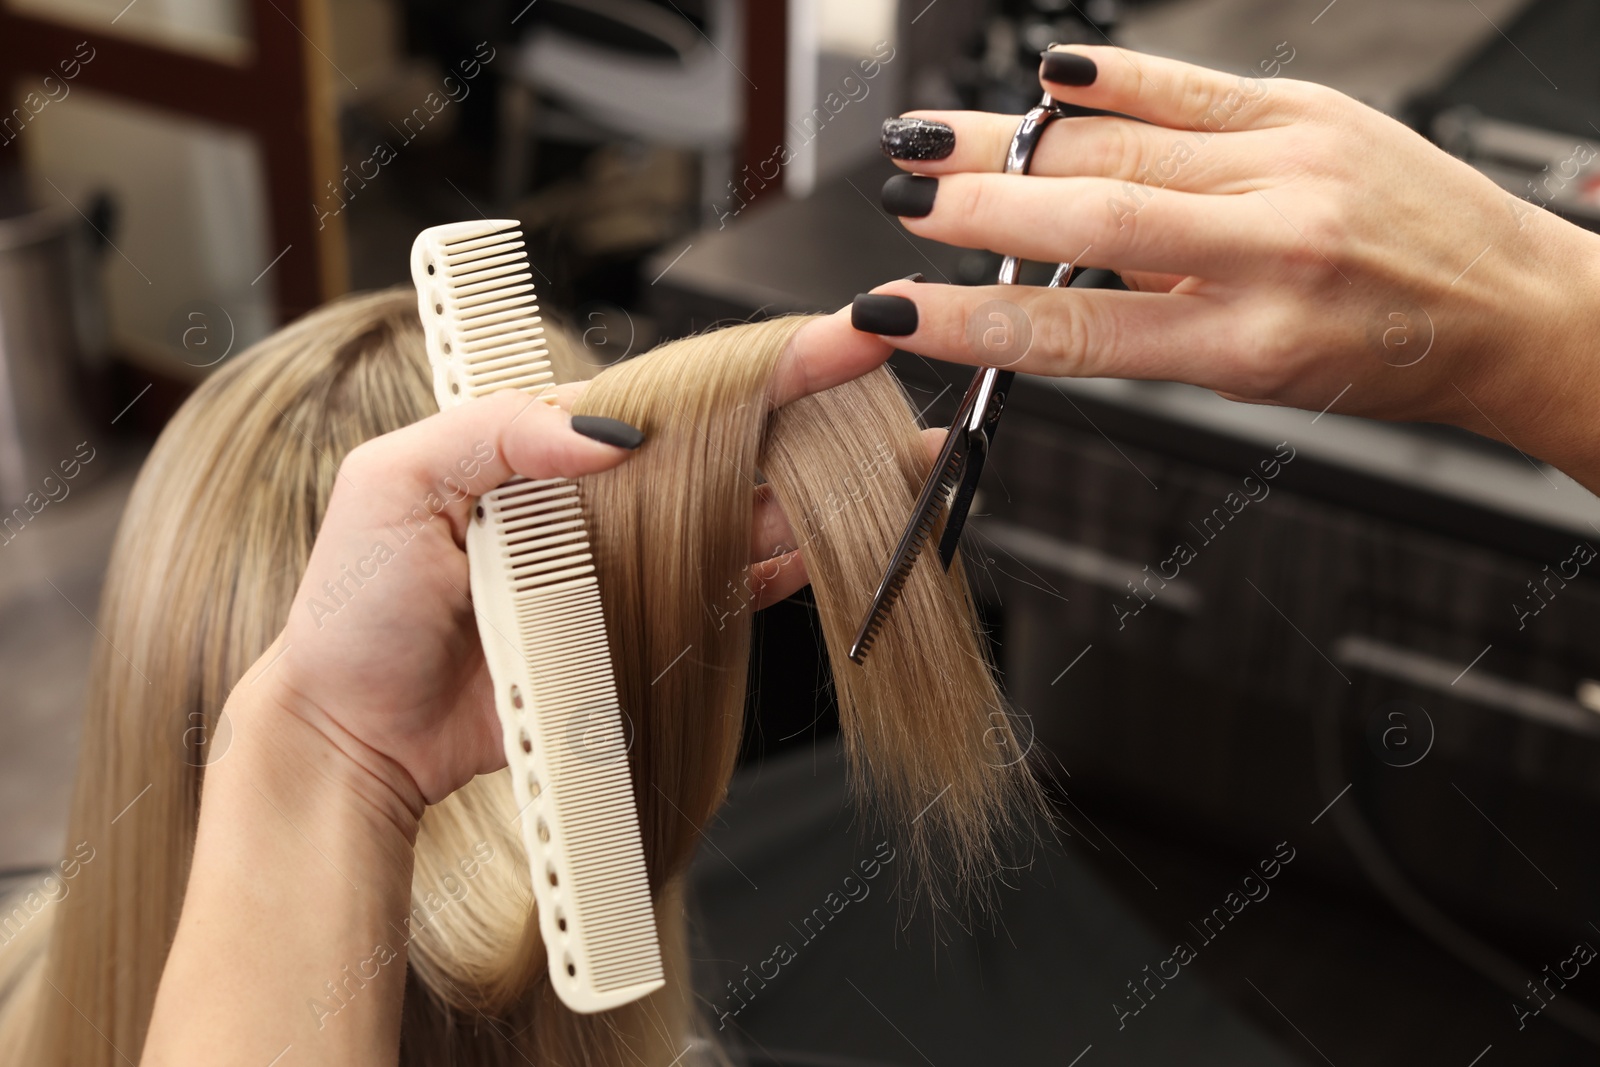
(766, 114)
(282, 96)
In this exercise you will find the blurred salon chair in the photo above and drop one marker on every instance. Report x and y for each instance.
(597, 70)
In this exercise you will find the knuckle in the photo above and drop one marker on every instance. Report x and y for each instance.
(365, 457)
(1139, 84)
(1311, 98)
(505, 402)
(1269, 360)
(996, 141)
(1191, 93)
(1117, 153)
(1263, 374)
(1119, 224)
(1062, 336)
(1319, 252)
(974, 202)
(954, 328)
(1299, 150)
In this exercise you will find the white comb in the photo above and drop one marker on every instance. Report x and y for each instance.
(544, 636)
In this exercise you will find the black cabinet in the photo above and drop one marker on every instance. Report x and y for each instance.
(1221, 651)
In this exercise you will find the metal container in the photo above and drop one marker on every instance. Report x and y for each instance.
(49, 320)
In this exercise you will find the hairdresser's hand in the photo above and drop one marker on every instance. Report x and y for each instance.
(1287, 245)
(381, 653)
(826, 352)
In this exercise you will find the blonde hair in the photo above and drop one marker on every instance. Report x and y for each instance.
(206, 563)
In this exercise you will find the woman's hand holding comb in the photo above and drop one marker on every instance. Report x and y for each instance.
(381, 652)
(373, 702)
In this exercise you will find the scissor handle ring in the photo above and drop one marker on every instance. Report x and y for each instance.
(1019, 157)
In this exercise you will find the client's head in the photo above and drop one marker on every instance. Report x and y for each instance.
(211, 550)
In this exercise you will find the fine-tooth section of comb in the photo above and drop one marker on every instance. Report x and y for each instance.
(544, 636)
(475, 290)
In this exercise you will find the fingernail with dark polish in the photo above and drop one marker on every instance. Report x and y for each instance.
(917, 139)
(915, 276)
(880, 313)
(910, 196)
(1067, 68)
(609, 431)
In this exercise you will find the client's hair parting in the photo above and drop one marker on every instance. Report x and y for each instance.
(203, 574)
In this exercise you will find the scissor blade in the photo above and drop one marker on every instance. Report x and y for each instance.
(961, 502)
(924, 514)
(991, 392)
(935, 492)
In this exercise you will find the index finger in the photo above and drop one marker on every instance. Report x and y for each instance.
(825, 352)
(1169, 93)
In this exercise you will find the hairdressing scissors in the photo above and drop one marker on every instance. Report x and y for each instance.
(954, 478)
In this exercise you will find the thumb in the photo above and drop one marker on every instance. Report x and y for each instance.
(468, 450)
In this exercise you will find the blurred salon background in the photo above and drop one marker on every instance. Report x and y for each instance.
(1380, 677)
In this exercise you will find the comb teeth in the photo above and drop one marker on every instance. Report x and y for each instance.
(537, 601)
(475, 289)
